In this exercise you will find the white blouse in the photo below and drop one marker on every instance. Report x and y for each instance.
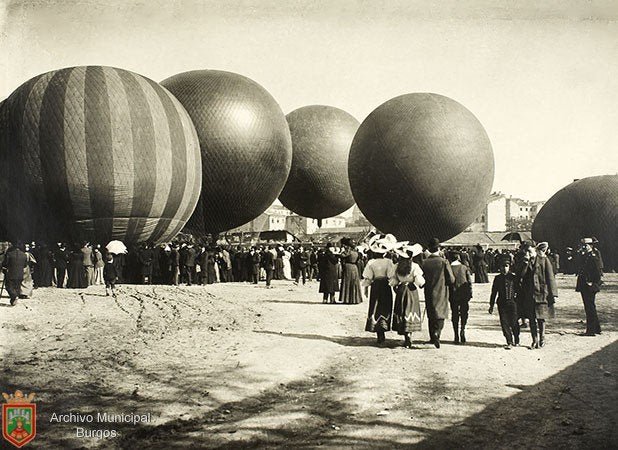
(376, 268)
(415, 276)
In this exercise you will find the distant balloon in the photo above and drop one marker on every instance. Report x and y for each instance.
(585, 208)
(421, 166)
(318, 184)
(245, 144)
(96, 153)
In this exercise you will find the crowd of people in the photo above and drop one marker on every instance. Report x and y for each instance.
(524, 290)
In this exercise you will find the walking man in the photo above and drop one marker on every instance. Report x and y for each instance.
(15, 260)
(438, 277)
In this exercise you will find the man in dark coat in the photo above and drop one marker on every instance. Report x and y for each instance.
(302, 263)
(255, 259)
(189, 263)
(537, 291)
(588, 284)
(327, 266)
(268, 262)
(15, 260)
(438, 277)
(61, 260)
(146, 256)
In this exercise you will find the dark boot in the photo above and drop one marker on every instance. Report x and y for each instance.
(535, 336)
(463, 332)
(407, 342)
(456, 330)
(381, 337)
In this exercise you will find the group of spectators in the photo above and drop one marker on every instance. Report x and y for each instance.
(524, 290)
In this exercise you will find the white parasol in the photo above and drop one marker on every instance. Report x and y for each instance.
(116, 247)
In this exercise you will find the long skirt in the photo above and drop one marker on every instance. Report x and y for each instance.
(480, 274)
(350, 292)
(76, 276)
(407, 312)
(287, 269)
(380, 306)
(278, 273)
(26, 284)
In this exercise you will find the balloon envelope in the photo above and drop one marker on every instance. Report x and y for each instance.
(421, 166)
(245, 144)
(585, 208)
(97, 153)
(318, 184)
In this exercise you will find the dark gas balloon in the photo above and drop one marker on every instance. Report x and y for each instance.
(421, 166)
(245, 144)
(585, 208)
(97, 153)
(318, 184)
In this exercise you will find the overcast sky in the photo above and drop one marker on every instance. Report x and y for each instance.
(542, 79)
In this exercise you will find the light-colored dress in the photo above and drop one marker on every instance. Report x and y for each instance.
(287, 267)
(27, 285)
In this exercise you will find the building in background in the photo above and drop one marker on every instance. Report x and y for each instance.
(504, 213)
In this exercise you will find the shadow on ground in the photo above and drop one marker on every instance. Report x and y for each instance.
(576, 408)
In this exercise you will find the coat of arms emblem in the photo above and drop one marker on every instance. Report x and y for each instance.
(18, 418)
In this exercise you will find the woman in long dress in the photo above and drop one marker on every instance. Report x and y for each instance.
(350, 292)
(27, 284)
(287, 266)
(480, 266)
(278, 273)
(76, 278)
(406, 278)
(375, 274)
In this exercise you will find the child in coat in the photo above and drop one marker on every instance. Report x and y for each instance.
(110, 275)
(504, 288)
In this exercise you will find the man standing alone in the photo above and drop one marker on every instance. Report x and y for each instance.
(438, 277)
(588, 284)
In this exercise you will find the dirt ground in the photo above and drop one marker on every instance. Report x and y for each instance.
(240, 366)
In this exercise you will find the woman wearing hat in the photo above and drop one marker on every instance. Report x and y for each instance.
(375, 275)
(350, 292)
(406, 278)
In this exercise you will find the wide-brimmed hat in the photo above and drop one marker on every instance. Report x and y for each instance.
(382, 243)
(542, 246)
(405, 250)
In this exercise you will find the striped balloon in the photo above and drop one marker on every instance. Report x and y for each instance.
(97, 153)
